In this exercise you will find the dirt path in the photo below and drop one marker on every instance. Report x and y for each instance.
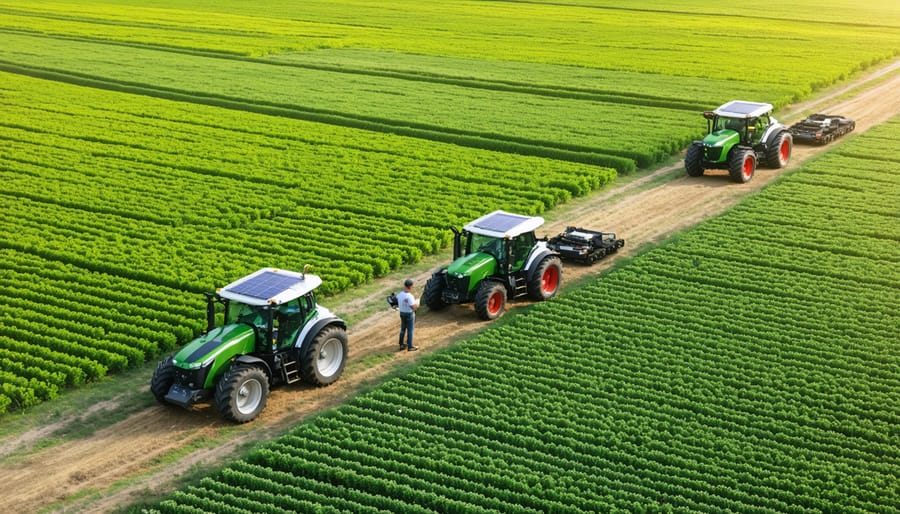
(85, 472)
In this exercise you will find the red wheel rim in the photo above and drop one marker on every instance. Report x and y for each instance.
(784, 152)
(550, 279)
(748, 167)
(495, 303)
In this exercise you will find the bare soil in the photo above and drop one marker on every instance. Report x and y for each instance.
(145, 454)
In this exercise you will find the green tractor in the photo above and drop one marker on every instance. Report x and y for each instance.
(495, 258)
(739, 136)
(273, 333)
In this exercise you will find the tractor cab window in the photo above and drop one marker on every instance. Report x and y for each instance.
(520, 248)
(243, 313)
(486, 244)
(738, 125)
(289, 317)
(758, 126)
(735, 124)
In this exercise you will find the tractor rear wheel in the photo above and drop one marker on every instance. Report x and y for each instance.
(490, 300)
(544, 284)
(163, 378)
(326, 356)
(242, 393)
(693, 160)
(779, 151)
(432, 296)
(741, 164)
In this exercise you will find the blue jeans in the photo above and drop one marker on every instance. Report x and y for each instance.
(407, 320)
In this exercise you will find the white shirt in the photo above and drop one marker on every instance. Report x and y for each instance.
(407, 302)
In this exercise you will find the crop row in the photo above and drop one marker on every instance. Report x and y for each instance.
(695, 378)
(64, 325)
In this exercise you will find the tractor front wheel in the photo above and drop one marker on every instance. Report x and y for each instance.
(163, 378)
(326, 356)
(779, 151)
(242, 393)
(741, 165)
(693, 160)
(433, 295)
(544, 284)
(490, 300)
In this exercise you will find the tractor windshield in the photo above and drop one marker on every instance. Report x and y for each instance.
(242, 313)
(486, 244)
(735, 124)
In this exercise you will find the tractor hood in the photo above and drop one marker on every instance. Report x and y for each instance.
(219, 344)
(475, 265)
(720, 138)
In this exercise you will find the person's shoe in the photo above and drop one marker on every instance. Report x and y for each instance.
(412, 348)
(402, 346)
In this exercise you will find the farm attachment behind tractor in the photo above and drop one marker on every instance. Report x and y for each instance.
(585, 246)
(821, 129)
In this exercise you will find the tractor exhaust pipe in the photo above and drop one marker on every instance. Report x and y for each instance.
(457, 243)
(210, 311)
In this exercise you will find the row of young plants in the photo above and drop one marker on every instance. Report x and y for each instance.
(64, 325)
(694, 378)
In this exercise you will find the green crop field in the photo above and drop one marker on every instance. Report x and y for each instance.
(167, 147)
(750, 365)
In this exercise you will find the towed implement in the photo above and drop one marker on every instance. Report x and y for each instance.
(821, 129)
(585, 246)
(273, 333)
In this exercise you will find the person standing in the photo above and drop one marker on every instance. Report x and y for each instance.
(407, 304)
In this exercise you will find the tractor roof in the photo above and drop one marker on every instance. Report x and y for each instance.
(742, 109)
(270, 286)
(504, 224)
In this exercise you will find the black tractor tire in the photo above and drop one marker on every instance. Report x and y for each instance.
(693, 160)
(242, 393)
(163, 378)
(325, 357)
(432, 296)
(490, 300)
(741, 164)
(778, 153)
(544, 284)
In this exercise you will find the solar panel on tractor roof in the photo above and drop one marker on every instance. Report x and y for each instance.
(742, 107)
(500, 222)
(265, 285)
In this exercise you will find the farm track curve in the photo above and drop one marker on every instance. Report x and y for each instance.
(127, 460)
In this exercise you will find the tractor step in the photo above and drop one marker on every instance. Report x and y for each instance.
(521, 286)
(291, 370)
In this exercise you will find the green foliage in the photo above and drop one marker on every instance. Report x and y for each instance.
(748, 366)
(165, 147)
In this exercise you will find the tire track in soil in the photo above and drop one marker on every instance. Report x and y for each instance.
(130, 449)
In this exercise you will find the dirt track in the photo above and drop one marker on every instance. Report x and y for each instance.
(130, 450)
